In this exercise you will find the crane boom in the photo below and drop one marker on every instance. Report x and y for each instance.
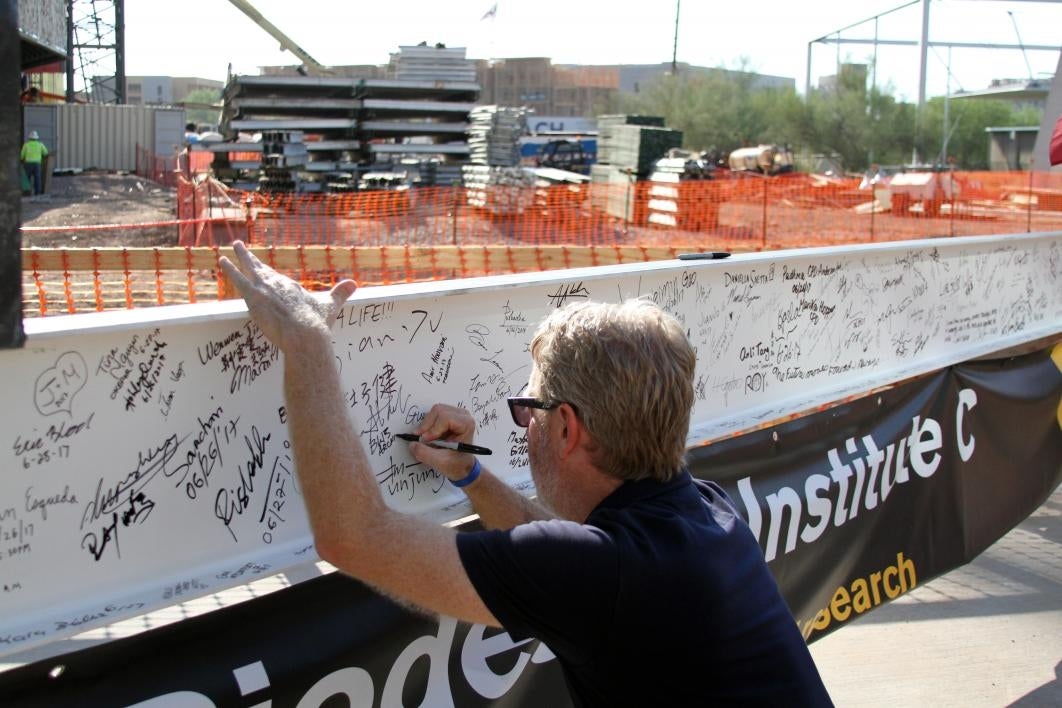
(285, 41)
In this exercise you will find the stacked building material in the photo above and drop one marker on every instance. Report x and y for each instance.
(406, 121)
(638, 147)
(499, 190)
(423, 63)
(432, 172)
(559, 190)
(494, 135)
(321, 110)
(606, 132)
(615, 191)
(671, 204)
(627, 148)
(283, 155)
(350, 127)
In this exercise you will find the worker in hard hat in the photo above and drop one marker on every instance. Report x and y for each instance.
(32, 155)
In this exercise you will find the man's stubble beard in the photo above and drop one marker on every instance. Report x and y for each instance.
(543, 469)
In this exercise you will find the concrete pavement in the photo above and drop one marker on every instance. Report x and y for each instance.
(986, 634)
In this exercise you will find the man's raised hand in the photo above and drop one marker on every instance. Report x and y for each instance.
(283, 309)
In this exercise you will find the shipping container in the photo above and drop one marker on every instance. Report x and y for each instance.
(104, 137)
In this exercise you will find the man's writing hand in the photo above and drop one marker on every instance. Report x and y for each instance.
(284, 311)
(445, 422)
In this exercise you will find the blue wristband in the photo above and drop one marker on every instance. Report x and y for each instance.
(472, 476)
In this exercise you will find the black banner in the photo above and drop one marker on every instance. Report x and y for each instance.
(858, 504)
(853, 507)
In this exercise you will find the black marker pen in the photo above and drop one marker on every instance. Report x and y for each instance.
(710, 256)
(447, 444)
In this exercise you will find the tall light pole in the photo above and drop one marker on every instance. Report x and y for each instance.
(674, 48)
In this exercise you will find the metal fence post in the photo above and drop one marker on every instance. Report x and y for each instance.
(248, 219)
(1028, 206)
(873, 208)
(453, 212)
(951, 176)
(763, 235)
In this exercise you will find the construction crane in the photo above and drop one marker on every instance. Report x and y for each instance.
(312, 66)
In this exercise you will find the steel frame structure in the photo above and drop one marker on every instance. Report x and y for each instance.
(95, 59)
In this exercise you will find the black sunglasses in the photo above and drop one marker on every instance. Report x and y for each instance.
(520, 407)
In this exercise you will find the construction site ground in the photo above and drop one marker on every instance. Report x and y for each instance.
(95, 198)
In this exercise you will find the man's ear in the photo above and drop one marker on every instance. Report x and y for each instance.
(573, 433)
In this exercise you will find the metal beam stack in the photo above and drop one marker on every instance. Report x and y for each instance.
(423, 63)
(494, 135)
(322, 109)
(627, 148)
(283, 154)
(499, 190)
(404, 122)
(350, 127)
(634, 142)
(494, 181)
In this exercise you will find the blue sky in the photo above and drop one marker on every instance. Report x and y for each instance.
(202, 37)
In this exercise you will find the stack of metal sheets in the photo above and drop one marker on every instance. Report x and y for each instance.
(423, 63)
(606, 132)
(613, 191)
(499, 190)
(638, 147)
(350, 127)
(634, 143)
(322, 111)
(400, 120)
(494, 133)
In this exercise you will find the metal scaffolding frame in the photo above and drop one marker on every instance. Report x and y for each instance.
(923, 45)
(95, 59)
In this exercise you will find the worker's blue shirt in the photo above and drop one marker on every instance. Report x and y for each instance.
(661, 598)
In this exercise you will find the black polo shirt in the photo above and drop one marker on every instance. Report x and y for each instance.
(661, 598)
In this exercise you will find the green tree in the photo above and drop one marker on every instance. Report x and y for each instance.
(199, 114)
(860, 126)
(967, 120)
(720, 109)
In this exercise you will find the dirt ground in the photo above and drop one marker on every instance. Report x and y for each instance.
(95, 198)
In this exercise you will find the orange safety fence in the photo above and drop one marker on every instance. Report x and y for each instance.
(407, 235)
(168, 170)
(69, 281)
(742, 212)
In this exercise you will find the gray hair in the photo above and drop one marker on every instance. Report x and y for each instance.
(628, 371)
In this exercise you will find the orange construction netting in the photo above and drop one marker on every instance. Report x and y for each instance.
(446, 232)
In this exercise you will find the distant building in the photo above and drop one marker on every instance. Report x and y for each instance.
(165, 90)
(587, 90)
(1018, 93)
(520, 81)
(635, 78)
(848, 75)
(1011, 147)
(545, 88)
